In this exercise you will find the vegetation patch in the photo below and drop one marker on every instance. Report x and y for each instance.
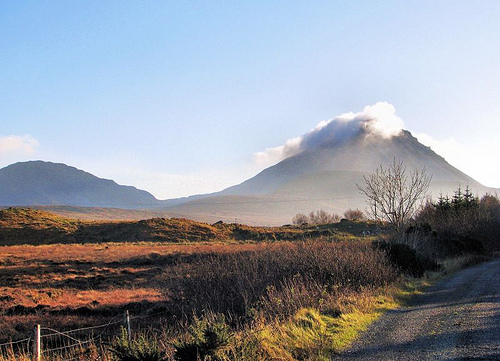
(223, 291)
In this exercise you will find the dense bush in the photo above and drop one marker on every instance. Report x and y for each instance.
(138, 349)
(354, 215)
(406, 259)
(237, 283)
(207, 339)
(464, 223)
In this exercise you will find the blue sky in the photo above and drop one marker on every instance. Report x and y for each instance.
(176, 97)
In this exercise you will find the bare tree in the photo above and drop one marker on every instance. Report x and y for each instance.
(394, 196)
(318, 217)
(354, 215)
(300, 219)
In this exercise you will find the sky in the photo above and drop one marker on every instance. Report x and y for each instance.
(185, 97)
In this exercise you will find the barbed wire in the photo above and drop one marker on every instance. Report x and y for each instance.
(78, 342)
(15, 342)
(55, 332)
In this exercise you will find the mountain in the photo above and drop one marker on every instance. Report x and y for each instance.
(45, 183)
(353, 158)
(318, 175)
(324, 177)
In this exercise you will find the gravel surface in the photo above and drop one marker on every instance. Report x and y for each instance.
(456, 319)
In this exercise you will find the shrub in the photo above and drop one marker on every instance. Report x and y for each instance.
(300, 219)
(354, 215)
(315, 218)
(138, 349)
(297, 293)
(208, 339)
(460, 244)
(464, 223)
(235, 283)
(406, 259)
(423, 239)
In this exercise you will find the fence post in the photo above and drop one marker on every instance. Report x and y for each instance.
(37, 354)
(126, 321)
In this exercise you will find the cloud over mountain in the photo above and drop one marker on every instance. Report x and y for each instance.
(379, 119)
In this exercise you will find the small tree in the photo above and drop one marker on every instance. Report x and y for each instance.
(318, 217)
(300, 219)
(491, 204)
(354, 215)
(394, 196)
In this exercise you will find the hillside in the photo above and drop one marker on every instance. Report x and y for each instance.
(359, 154)
(102, 213)
(46, 183)
(323, 177)
(28, 226)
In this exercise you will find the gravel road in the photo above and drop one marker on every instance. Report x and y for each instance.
(456, 319)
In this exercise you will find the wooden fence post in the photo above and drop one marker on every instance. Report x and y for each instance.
(126, 321)
(37, 352)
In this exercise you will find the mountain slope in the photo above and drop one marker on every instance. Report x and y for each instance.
(360, 154)
(46, 183)
(324, 177)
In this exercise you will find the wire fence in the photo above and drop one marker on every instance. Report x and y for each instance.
(8, 349)
(49, 343)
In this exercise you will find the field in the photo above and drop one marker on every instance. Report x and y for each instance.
(35, 227)
(77, 284)
(288, 293)
(65, 287)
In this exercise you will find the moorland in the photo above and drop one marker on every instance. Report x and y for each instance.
(216, 291)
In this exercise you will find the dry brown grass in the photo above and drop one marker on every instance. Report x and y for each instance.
(279, 279)
(50, 282)
(69, 285)
(28, 226)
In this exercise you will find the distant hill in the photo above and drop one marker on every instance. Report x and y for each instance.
(45, 183)
(102, 213)
(29, 226)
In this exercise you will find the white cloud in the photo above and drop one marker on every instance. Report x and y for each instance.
(15, 148)
(382, 119)
(17, 145)
(276, 154)
(379, 119)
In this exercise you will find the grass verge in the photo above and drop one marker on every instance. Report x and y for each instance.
(315, 335)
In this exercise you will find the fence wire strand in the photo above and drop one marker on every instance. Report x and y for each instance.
(64, 336)
(79, 342)
(15, 342)
(55, 332)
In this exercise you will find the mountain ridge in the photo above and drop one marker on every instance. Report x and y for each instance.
(323, 177)
(49, 183)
